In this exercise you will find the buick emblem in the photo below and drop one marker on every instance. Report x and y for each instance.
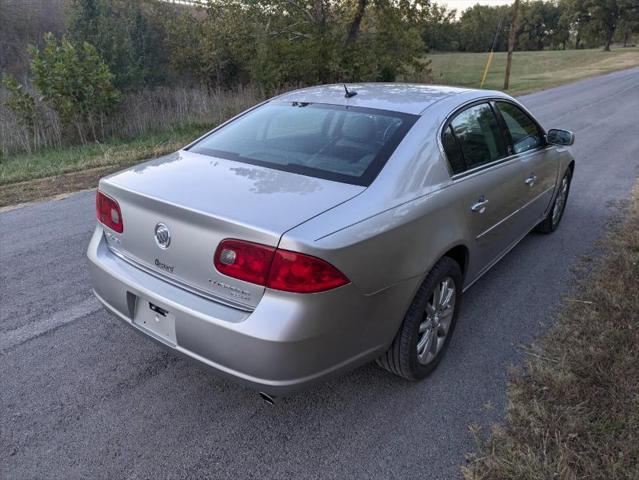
(162, 236)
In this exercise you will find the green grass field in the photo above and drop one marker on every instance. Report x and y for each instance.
(531, 71)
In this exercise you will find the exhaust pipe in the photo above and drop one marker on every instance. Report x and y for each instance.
(267, 398)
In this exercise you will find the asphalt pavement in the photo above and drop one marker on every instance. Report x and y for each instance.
(83, 396)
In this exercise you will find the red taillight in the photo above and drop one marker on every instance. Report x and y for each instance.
(275, 268)
(296, 272)
(244, 260)
(108, 212)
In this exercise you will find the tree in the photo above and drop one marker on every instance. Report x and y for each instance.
(579, 19)
(441, 29)
(356, 22)
(479, 25)
(75, 82)
(607, 14)
(538, 26)
(23, 105)
(297, 42)
(128, 34)
(390, 44)
(217, 45)
(626, 28)
(24, 22)
(562, 33)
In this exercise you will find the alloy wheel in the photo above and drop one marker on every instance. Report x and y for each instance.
(437, 320)
(560, 202)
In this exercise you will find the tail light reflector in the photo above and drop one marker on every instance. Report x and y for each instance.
(244, 260)
(275, 268)
(296, 272)
(108, 212)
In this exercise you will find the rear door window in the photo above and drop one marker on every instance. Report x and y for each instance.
(524, 132)
(478, 135)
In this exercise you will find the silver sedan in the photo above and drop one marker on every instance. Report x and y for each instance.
(325, 228)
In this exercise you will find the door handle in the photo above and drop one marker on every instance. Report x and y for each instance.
(480, 205)
(530, 181)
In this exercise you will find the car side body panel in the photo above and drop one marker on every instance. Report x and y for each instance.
(396, 214)
(400, 242)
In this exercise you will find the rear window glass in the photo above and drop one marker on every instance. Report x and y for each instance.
(346, 144)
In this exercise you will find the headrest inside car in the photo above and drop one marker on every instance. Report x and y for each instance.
(359, 127)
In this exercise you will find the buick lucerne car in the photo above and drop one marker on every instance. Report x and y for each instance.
(326, 228)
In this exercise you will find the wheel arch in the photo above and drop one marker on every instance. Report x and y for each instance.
(460, 254)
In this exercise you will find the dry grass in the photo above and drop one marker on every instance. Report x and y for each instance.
(14, 195)
(574, 414)
(160, 110)
(149, 123)
(165, 109)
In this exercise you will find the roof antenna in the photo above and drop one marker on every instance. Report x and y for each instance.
(348, 93)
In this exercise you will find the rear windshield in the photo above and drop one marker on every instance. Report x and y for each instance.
(345, 144)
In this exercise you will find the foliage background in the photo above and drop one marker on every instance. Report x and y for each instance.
(82, 71)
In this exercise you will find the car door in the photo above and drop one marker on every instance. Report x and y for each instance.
(487, 183)
(540, 167)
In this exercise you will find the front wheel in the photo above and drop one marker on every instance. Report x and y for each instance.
(428, 325)
(551, 222)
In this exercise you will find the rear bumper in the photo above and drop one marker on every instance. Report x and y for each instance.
(287, 343)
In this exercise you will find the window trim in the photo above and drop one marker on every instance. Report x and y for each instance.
(513, 156)
(456, 140)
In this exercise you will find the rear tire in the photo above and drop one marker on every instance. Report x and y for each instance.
(425, 333)
(556, 212)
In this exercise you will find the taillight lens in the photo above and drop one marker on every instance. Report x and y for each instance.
(108, 212)
(275, 268)
(244, 260)
(296, 272)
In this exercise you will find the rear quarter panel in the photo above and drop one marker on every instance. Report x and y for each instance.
(394, 246)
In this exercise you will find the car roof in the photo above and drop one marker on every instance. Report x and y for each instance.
(397, 97)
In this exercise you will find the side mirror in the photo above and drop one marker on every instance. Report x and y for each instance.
(556, 136)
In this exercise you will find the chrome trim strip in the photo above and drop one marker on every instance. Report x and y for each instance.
(513, 213)
(178, 283)
(495, 163)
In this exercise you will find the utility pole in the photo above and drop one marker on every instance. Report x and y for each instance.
(492, 52)
(511, 43)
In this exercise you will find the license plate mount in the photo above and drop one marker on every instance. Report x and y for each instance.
(155, 320)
